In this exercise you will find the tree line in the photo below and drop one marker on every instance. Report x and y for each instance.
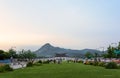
(111, 52)
(24, 54)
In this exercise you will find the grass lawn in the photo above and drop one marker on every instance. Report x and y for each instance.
(63, 71)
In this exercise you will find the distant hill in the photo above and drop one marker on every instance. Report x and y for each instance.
(48, 50)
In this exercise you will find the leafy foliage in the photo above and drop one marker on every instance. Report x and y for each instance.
(102, 64)
(26, 55)
(37, 64)
(7, 55)
(111, 65)
(29, 64)
(89, 55)
(111, 53)
(2, 55)
(40, 61)
(12, 53)
(5, 68)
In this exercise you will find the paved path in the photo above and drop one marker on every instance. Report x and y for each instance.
(17, 66)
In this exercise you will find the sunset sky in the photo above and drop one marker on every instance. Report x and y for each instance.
(75, 24)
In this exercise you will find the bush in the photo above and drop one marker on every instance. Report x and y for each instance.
(111, 65)
(37, 64)
(40, 61)
(102, 64)
(1, 64)
(91, 63)
(46, 62)
(2, 69)
(29, 64)
(80, 61)
(118, 67)
(95, 63)
(5, 68)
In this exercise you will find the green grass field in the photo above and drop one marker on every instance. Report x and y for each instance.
(63, 71)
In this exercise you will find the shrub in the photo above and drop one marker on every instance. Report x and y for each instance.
(88, 63)
(29, 64)
(1, 64)
(46, 62)
(37, 64)
(102, 64)
(2, 69)
(118, 67)
(80, 61)
(40, 61)
(91, 62)
(111, 65)
(7, 68)
(95, 63)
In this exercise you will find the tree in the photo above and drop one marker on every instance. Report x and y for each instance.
(117, 51)
(6, 55)
(119, 46)
(27, 55)
(95, 57)
(110, 52)
(12, 53)
(2, 56)
(105, 55)
(89, 55)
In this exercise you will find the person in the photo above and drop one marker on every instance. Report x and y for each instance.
(58, 61)
(11, 59)
(54, 61)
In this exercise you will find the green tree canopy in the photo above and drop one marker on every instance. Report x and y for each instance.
(12, 53)
(110, 52)
(4, 55)
(27, 55)
(89, 55)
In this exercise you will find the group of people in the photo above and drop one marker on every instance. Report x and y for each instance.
(48, 61)
(58, 60)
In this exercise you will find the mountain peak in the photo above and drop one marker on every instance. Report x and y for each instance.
(47, 45)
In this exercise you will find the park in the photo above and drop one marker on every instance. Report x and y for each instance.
(27, 65)
(64, 70)
(59, 39)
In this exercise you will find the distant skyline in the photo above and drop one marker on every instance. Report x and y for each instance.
(75, 24)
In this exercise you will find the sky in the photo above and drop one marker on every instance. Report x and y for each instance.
(75, 24)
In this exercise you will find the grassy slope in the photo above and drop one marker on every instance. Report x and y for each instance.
(63, 71)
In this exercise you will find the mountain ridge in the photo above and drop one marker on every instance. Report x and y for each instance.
(48, 50)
